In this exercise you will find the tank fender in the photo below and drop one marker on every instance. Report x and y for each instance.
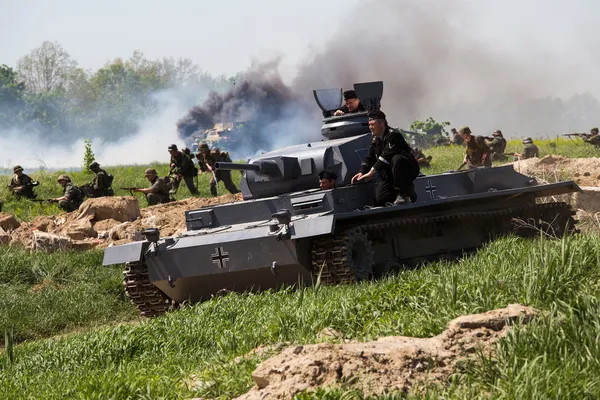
(322, 225)
(129, 252)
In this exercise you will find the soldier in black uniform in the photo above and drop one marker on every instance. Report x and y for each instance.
(206, 161)
(390, 156)
(21, 184)
(353, 104)
(182, 166)
(327, 179)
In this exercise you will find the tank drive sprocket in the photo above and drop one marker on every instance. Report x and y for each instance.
(346, 256)
(148, 299)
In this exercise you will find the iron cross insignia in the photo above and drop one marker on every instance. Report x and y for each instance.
(220, 257)
(430, 188)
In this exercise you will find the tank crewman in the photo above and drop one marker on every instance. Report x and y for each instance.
(390, 156)
(327, 179)
(21, 185)
(158, 192)
(477, 153)
(353, 104)
(421, 158)
(183, 166)
(206, 161)
(456, 138)
(101, 185)
(530, 150)
(594, 137)
(497, 146)
(72, 196)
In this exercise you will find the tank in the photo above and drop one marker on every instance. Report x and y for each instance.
(288, 231)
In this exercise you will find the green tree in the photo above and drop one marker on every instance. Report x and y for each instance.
(11, 96)
(430, 127)
(88, 156)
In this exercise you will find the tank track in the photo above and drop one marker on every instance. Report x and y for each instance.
(148, 299)
(330, 256)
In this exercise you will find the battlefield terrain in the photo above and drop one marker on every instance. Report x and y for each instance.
(69, 332)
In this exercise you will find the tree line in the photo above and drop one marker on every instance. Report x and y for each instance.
(48, 93)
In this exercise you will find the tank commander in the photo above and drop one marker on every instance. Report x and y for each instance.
(456, 138)
(390, 156)
(530, 150)
(327, 179)
(353, 104)
(477, 153)
(497, 146)
(183, 167)
(101, 185)
(21, 185)
(72, 197)
(421, 158)
(158, 192)
(594, 137)
(206, 161)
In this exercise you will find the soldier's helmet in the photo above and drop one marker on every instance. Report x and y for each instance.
(594, 130)
(173, 147)
(64, 178)
(464, 130)
(498, 132)
(94, 165)
(150, 172)
(527, 140)
(17, 168)
(203, 146)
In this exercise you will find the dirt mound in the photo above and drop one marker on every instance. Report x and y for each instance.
(584, 171)
(388, 364)
(101, 222)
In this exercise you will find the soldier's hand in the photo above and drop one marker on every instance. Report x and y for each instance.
(338, 112)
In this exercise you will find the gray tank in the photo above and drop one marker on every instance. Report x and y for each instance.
(287, 231)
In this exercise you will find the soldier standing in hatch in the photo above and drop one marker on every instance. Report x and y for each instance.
(477, 153)
(353, 104)
(327, 179)
(594, 138)
(206, 161)
(390, 156)
(530, 150)
(158, 192)
(183, 166)
(72, 196)
(100, 185)
(497, 146)
(21, 184)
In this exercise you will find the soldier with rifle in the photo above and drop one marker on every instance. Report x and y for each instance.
(206, 161)
(497, 145)
(592, 138)
(456, 138)
(182, 167)
(477, 153)
(72, 196)
(21, 185)
(530, 150)
(101, 185)
(157, 193)
(421, 159)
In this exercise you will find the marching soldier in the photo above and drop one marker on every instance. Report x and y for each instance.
(421, 159)
(158, 192)
(206, 161)
(101, 185)
(182, 166)
(21, 185)
(327, 179)
(497, 146)
(72, 197)
(477, 153)
(594, 138)
(530, 150)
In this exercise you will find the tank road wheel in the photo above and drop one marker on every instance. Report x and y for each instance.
(149, 300)
(343, 257)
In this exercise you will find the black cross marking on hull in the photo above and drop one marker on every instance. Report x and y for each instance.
(430, 188)
(220, 257)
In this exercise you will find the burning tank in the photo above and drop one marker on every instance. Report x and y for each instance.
(287, 230)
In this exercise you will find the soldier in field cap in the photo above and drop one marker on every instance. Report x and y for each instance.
(391, 157)
(353, 104)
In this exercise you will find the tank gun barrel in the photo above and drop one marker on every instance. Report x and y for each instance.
(263, 167)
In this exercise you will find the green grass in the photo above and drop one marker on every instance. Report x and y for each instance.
(553, 357)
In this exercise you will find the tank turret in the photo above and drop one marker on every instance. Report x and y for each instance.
(296, 168)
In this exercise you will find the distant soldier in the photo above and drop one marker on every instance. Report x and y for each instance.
(353, 104)
(421, 159)
(530, 150)
(72, 195)
(182, 166)
(456, 138)
(327, 179)
(477, 153)
(21, 185)
(206, 162)
(101, 185)
(158, 192)
(594, 138)
(497, 146)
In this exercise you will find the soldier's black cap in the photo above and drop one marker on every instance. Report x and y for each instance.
(327, 174)
(350, 94)
(376, 114)
(173, 147)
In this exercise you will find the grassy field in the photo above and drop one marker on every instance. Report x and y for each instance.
(555, 357)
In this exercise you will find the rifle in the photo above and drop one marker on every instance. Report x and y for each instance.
(44, 200)
(131, 189)
(462, 165)
(488, 137)
(585, 135)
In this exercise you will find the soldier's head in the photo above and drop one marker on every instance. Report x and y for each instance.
(498, 133)
(173, 149)
(527, 141)
(186, 150)
(377, 122)
(18, 170)
(454, 132)
(94, 166)
(465, 132)
(352, 102)
(203, 148)
(594, 131)
(150, 174)
(327, 179)
(63, 180)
